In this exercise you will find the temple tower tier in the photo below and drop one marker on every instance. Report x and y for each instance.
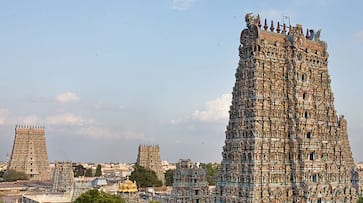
(284, 140)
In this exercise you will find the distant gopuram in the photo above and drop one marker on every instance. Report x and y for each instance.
(284, 140)
(190, 183)
(149, 157)
(63, 177)
(29, 153)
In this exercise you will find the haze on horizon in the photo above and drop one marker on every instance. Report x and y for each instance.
(104, 77)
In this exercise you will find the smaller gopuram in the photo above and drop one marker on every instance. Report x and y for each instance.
(29, 154)
(149, 157)
(63, 177)
(359, 178)
(190, 183)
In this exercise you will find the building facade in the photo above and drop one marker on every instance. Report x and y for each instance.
(29, 154)
(284, 140)
(149, 157)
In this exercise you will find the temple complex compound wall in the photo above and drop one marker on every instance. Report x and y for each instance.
(284, 140)
(29, 153)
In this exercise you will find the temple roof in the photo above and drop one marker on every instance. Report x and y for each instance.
(128, 186)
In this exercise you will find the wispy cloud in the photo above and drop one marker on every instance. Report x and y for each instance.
(175, 121)
(97, 132)
(67, 97)
(32, 120)
(3, 115)
(105, 107)
(9, 119)
(181, 4)
(72, 124)
(67, 119)
(214, 110)
(88, 127)
(276, 15)
(324, 3)
(61, 98)
(62, 120)
(41, 99)
(359, 35)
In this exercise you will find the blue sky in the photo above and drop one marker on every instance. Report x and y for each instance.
(106, 76)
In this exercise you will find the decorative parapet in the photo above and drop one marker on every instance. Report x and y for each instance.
(281, 29)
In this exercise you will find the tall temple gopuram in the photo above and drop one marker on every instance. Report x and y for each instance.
(149, 157)
(29, 153)
(284, 140)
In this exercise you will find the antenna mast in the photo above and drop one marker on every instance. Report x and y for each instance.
(287, 18)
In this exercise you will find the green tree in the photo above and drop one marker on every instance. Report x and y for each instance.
(211, 169)
(79, 170)
(145, 177)
(98, 171)
(12, 175)
(88, 172)
(96, 196)
(360, 200)
(169, 177)
(2, 172)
